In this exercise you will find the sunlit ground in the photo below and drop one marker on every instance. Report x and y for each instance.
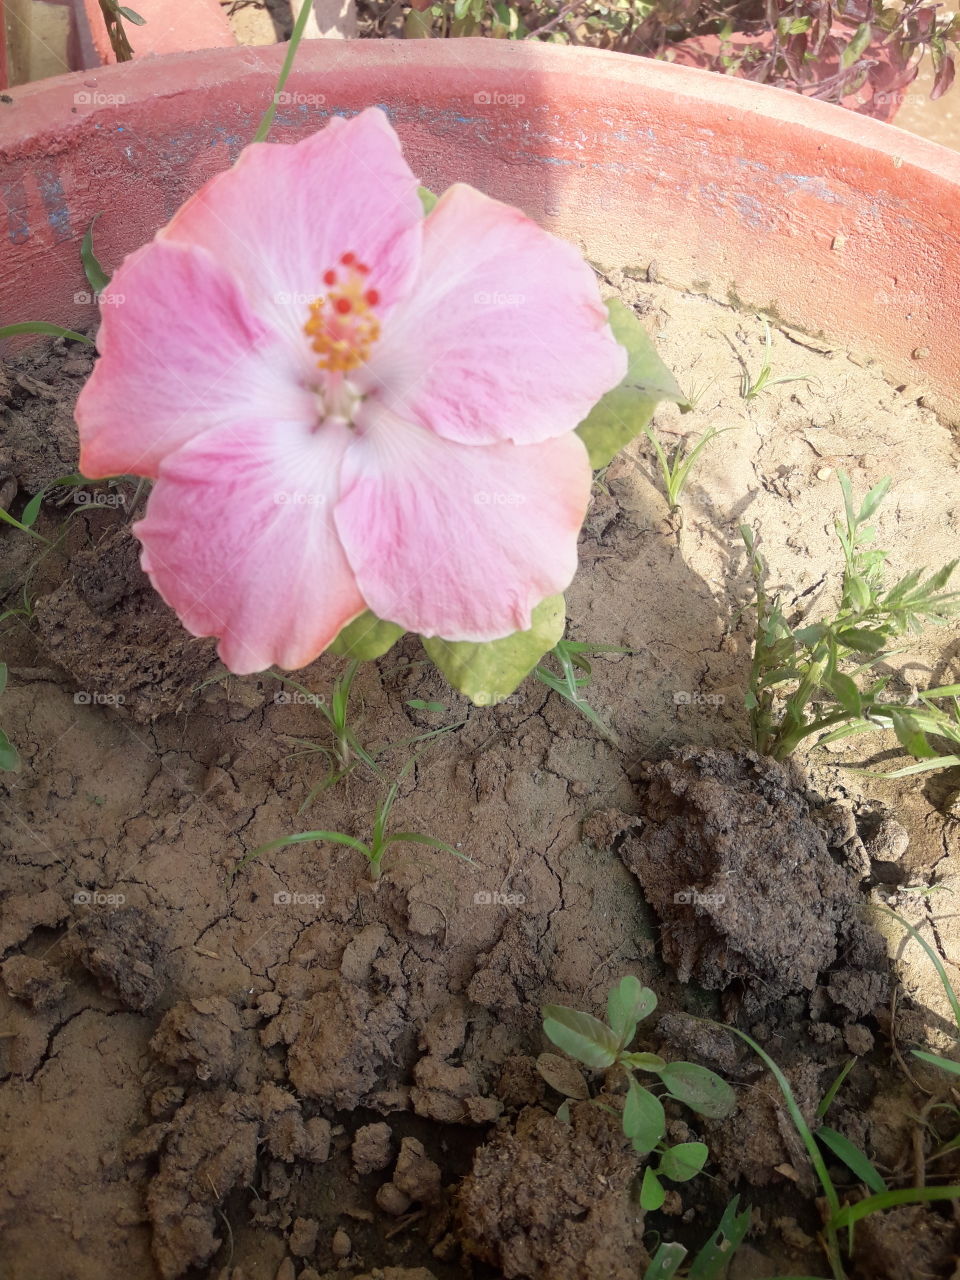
(938, 121)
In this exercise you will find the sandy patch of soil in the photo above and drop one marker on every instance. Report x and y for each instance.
(285, 1070)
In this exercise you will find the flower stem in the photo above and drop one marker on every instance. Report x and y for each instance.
(302, 20)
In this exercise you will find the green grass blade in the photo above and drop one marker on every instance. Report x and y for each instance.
(295, 38)
(7, 518)
(852, 1213)
(935, 1060)
(96, 276)
(411, 837)
(934, 959)
(42, 327)
(827, 1100)
(852, 1157)
(796, 1115)
(305, 837)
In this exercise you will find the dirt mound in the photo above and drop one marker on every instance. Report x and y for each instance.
(552, 1201)
(756, 882)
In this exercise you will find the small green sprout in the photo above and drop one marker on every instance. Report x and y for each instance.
(380, 840)
(751, 387)
(346, 751)
(676, 470)
(97, 277)
(570, 656)
(804, 678)
(601, 1045)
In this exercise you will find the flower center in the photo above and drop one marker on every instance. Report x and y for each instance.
(343, 325)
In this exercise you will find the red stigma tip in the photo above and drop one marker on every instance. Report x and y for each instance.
(348, 259)
(363, 269)
(371, 297)
(329, 277)
(343, 306)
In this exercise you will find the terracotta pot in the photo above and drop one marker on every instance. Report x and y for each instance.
(834, 223)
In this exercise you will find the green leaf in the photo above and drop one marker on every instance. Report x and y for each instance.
(9, 755)
(861, 38)
(488, 673)
(846, 693)
(427, 198)
(712, 1261)
(96, 276)
(910, 735)
(859, 592)
(644, 1061)
(876, 494)
(7, 518)
(365, 638)
(42, 326)
(418, 704)
(665, 1262)
(935, 1060)
(133, 17)
(702, 1090)
(627, 1004)
(862, 641)
(644, 1121)
(852, 1213)
(827, 1100)
(684, 1161)
(624, 412)
(581, 1035)
(32, 509)
(851, 1156)
(563, 1075)
(652, 1193)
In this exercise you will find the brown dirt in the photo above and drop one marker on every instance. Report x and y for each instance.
(287, 1071)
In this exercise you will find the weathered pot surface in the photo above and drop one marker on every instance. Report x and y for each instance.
(833, 223)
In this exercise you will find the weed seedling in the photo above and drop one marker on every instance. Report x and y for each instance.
(570, 656)
(751, 387)
(380, 840)
(600, 1045)
(346, 751)
(676, 470)
(803, 678)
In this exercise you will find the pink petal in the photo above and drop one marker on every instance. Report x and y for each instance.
(180, 353)
(459, 541)
(504, 337)
(239, 539)
(284, 215)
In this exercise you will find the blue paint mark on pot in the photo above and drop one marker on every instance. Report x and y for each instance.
(15, 203)
(54, 202)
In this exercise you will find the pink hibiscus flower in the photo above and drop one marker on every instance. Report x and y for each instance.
(347, 405)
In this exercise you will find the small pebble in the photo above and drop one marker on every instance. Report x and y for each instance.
(341, 1244)
(392, 1200)
(303, 1237)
